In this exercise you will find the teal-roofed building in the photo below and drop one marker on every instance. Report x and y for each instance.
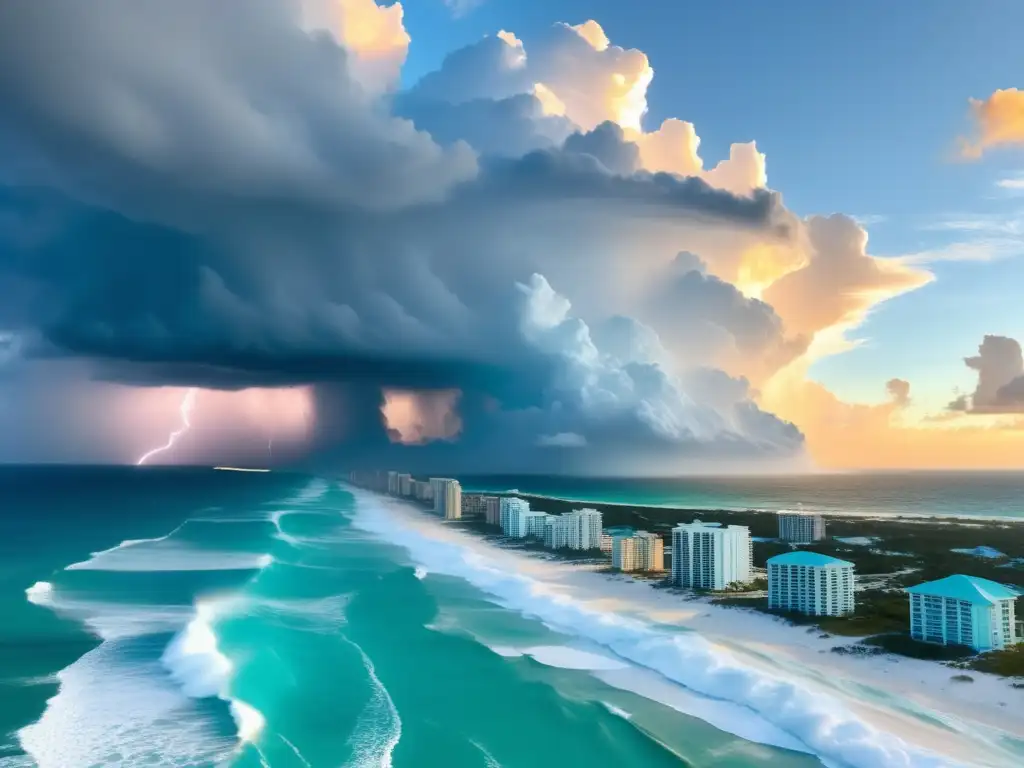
(964, 610)
(810, 583)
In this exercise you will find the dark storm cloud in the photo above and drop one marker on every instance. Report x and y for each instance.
(223, 206)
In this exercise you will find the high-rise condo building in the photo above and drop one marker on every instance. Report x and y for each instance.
(474, 505)
(801, 527)
(964, 610)
(492, 510)
(507, 506)
(709, 556)
(447, 497)
(405, 485)
(556, 532)
(579, 529)
(524, 523)
(650, 551)
(642, 551)
(807, 582)
(393, 483)
(624, 557)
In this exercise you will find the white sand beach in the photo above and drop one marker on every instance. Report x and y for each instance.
(917, 702)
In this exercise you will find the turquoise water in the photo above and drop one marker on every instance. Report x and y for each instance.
(942, 494)
(186, 617)
(191, 618)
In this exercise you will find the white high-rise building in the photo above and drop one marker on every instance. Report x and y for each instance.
(579, 529)
(801, 527)
(507, 506)
(393, 483)
(810, 583)
(405, 485)
(523, 523)
(447, 497)
(964, 610)
(709, 556)
(556, 532)
(586, 532)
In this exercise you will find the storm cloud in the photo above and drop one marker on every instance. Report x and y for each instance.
(225, 196)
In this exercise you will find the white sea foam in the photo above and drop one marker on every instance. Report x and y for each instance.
(40, 593)
(616, 711)
(564, 657)
(295, 749)
(379, 727)
(114, 712)
(198, 666)
(816, 721)
(421, 572)
(165, 554)
(489, 759)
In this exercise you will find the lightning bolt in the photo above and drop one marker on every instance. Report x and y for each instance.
(187, 404)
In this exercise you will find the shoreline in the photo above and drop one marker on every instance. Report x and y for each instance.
(906, 517)
(931, 710)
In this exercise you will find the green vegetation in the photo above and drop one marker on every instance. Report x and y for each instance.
(1008, 663)
(903, 644)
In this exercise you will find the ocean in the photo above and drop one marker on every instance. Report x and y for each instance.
(192, 617)
(925, 494)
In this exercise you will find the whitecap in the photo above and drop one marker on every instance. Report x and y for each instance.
(196, 663)
(379, 727)
(40, 593)
(616, 711)
(807, 719)
(421, 572)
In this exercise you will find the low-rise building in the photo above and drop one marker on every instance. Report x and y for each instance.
(801, 527)
(964, 610)
(807, 582)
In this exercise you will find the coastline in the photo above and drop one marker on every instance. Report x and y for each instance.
(915, 700)
(690, 509)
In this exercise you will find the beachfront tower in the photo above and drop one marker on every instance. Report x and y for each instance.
(801, 527)
(579, 529)
(642, 551)
(447, 497)
(525, 523)
(624, 554)
(585, 532)
(807, 582)
(710, 556)
(492, 510)
(964, 610)
(507, 507)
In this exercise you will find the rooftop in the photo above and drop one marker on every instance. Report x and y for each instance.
(806, 558)
(968, 588)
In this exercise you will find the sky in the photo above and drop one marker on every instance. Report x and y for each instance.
(509, 236)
